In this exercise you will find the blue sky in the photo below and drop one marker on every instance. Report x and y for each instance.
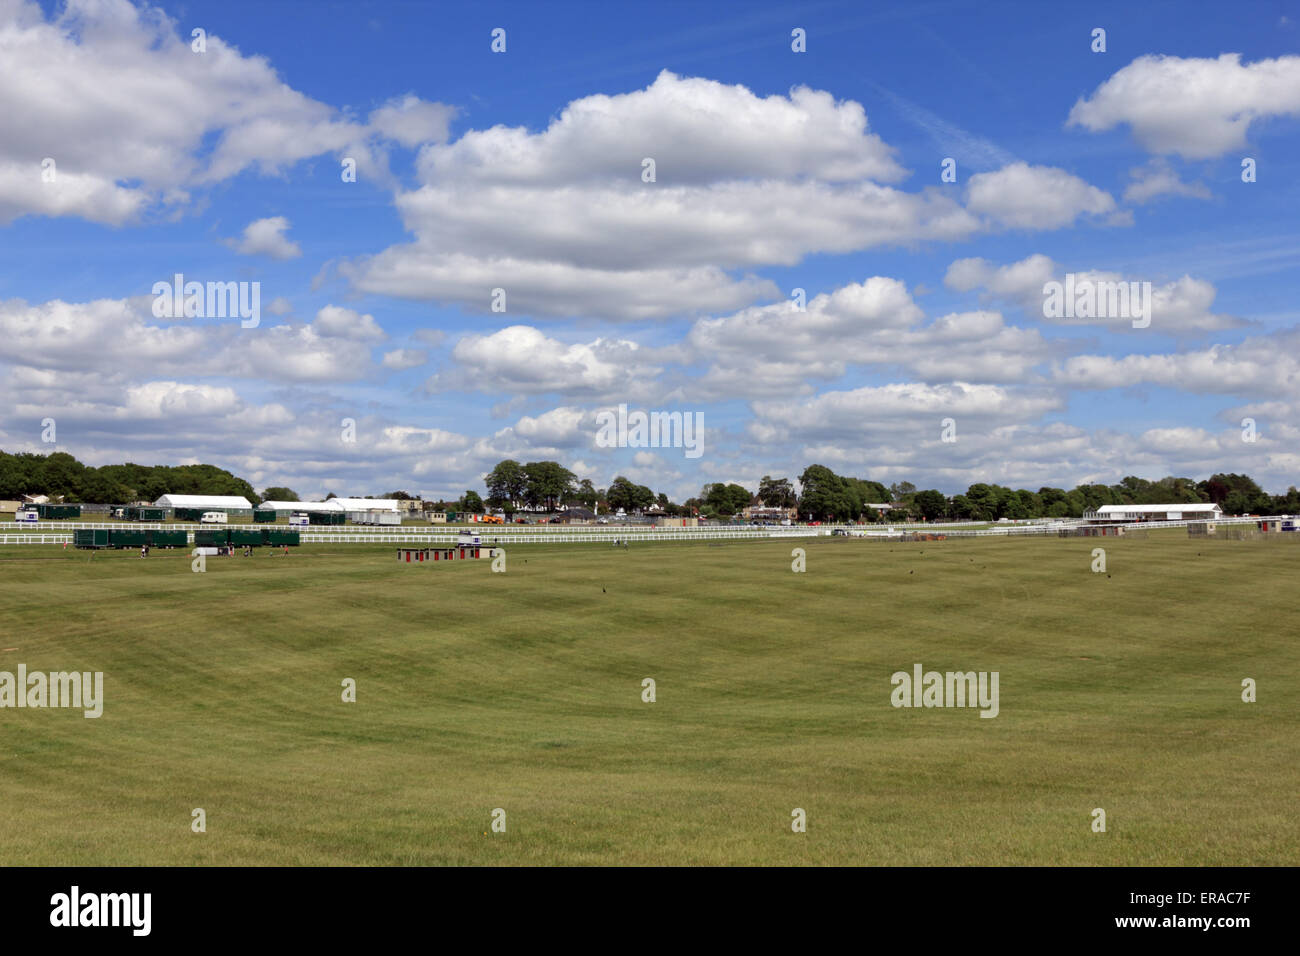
(774, 170)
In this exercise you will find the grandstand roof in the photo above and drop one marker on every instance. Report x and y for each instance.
(1157, 509)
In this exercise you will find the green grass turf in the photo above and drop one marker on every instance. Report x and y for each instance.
(523, 691)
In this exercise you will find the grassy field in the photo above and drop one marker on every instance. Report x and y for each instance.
(522, 691)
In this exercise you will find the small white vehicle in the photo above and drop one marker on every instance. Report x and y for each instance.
(27, 517)
(299, 519)
(214, 517)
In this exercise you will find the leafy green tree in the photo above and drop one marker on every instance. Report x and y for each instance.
(60, 475)
(869, 491)
(586, 494)
(930, 504)
(1094, 496)
(1287, 504)
(98, 486)
(14, 478)
(471, 502)
(1049, 497)
(548, 483)
(729, 499)
(826, 495)
(962, 509)
(507, 482)
(277, 493)
(983, 500)
(1032, 504)
(776, 492)
(622, 493)
(902, 491)
(626, 494)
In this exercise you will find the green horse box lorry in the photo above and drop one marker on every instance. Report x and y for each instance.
(167, 539)
(115, 538)
(145, 514)
(91, 539)
(47, 512)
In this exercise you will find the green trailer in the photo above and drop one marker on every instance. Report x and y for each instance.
(167, 539)
(246, 537)
(188, 514)
(58, 512)
(326, 517)
(146, 514)
(280, 538)
(90, 538)
(128, 539)
(211, 539)
(264, 517)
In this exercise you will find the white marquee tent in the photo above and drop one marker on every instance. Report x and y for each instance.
(303, 506)
(215, 502)
(334, 504)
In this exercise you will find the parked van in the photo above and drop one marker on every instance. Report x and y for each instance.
(214, 517)
(27, 517)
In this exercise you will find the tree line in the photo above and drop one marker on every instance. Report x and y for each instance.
(60, 475)
(823, 495)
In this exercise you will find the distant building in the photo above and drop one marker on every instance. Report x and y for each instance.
(663, 521)
(368, 504)
(302, 506)
(1113, 514)
(230, 504)
(757, 511)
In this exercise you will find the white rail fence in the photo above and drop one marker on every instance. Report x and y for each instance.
(486, 529)
(60, 532)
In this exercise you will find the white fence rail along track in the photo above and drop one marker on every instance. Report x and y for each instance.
(58, 532)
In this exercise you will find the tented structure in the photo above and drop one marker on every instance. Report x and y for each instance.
(207, 502)
(303, 506)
